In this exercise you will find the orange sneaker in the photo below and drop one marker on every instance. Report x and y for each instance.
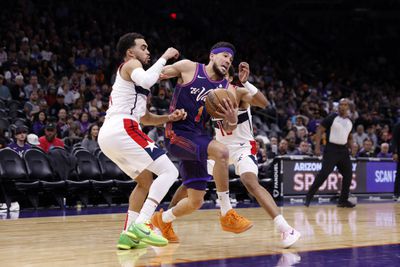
(165, 228)
(233, 222)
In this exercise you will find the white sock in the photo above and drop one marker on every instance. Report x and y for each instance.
(131, 216)
(281, 224)
(147, 211)
(168, 216)
(224, 201)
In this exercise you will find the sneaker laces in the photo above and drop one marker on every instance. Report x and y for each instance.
(234, 217)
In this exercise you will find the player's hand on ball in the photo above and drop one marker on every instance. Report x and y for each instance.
(178, 114)
(244, 72)
(229, 111)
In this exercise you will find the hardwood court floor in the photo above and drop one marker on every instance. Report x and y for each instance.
(90, 240)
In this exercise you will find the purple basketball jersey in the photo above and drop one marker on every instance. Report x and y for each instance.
(191, 97)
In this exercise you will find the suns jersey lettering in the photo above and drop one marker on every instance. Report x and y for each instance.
(242, 133)
(127, 98)
(191, 97)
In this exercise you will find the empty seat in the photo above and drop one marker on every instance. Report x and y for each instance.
(76, 147)
(110, 170)
(4, 124)
(3, 113)
(19, 122)
(88, 169)
(64, 166)
(14, 178)
(39, 168)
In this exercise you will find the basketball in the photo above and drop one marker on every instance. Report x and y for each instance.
(216, 97)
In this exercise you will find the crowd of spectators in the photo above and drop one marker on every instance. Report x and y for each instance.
(58, 63)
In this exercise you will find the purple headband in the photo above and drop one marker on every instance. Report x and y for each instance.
(222, 49)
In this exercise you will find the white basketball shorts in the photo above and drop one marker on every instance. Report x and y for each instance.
(122, 140)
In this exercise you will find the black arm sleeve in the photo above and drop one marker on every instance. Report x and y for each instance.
(327, 122)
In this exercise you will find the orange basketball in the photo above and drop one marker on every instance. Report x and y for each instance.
(216, 97)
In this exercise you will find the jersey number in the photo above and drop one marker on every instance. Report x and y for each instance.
(198, 116)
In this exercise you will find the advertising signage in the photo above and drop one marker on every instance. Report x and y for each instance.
(295, 175)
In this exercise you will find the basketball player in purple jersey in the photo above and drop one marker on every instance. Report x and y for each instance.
(189, 141)
(242, 151)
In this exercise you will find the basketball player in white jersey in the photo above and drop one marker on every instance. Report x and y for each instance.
(121, 138)
(242, 151)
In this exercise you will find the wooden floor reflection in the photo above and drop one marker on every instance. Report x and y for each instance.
(90, 240)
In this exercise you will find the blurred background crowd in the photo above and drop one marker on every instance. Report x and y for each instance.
(58, 62)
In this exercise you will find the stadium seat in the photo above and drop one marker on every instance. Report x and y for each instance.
(64, 165)
(15, 110)
(4, 124)
(88, 169)
(110, 170)
(76, 147)
(15, 180)
(39, 168)
(97, 152)
(3, 103)
(3, 113)
(19, 122)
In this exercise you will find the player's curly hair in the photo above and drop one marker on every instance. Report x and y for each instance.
(127, 41)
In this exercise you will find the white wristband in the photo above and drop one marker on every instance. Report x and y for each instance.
(231, 124)
(251, 88)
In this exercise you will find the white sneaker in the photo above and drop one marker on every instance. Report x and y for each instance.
(14, 215)
(290, 237)
(14, 206)
(288, 259)
(3, 207)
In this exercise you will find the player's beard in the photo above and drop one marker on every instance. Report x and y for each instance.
(218, 72)
(144, 61)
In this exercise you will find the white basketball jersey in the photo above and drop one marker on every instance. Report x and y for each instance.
(127, 99)
(242, 133)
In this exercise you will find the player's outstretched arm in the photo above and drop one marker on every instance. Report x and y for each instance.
(146, 79)
(154, 119)
(177, 69)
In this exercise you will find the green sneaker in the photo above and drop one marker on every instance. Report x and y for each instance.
(130, 257)
(125, 242)
(142, 232)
